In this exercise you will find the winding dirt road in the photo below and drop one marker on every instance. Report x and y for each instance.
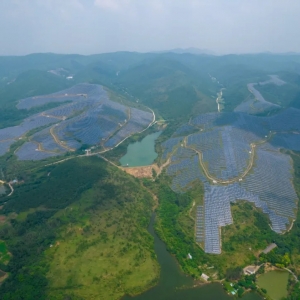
(57, 141)
(235, 179)
(11, 187)
(96, 153)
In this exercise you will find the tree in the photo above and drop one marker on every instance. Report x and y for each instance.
(240, 292)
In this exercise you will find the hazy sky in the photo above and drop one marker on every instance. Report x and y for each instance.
(96, 26)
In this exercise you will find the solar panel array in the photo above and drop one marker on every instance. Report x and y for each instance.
(73, 94)
(258, 95)
(271, 180)
(254, 107)
(5, 145)
(287, 141)
(259, 104)
(273, 79)
(27, 125)
(91, 118)
(169, 145)
(29, 151)
(225, 150)
(138, 121)
(184, 130)
(47, 142)
(185, 172)
(224, 141)
(200, 224)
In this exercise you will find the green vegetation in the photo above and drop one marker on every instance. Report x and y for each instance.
(242, 242)
(78, 230)
(4, 254)
(27, 84)
(285, 95)
(84, 239)
(170, 230)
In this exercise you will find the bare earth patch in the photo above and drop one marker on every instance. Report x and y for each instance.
(142, 172)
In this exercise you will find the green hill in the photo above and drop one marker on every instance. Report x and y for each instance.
(78, 228)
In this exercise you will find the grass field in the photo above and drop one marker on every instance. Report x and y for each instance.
(244, 238)
(4, 254)
(102, 252)
(89, 240)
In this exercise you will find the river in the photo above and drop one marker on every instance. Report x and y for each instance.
(174, 285)
(141, 153)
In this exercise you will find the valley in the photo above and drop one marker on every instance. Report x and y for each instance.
(122, 180)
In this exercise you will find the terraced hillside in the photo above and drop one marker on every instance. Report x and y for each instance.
(236, 156)
(86, 116)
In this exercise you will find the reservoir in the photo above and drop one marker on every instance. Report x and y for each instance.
(275, 282)
(141, 153)
(174, 285)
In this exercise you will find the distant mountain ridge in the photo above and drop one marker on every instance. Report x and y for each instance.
(190, 50)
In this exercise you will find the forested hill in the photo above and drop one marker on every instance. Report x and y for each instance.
(75, 226)
(174, 85)
(77, 229)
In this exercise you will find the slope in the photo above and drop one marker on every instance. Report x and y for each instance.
(78, 240)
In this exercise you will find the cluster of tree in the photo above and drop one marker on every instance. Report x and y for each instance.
(28, 238)
(169, 229)
(62, 185)
(295, 293)
(276, 258)
(28, 84)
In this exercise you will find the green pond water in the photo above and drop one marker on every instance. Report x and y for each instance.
(275, 282)
(174, 285)
(141, 153)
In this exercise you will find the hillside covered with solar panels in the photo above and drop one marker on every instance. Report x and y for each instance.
(222, 186)
(237, 156)
(84, 115)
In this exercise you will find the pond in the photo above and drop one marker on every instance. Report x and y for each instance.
(275, 282)
(174, 285)
(141, 153)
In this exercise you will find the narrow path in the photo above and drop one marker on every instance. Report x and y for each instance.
(60, 96)
(219, 99)
(148, 190)
(41, 149)
(296, 278)
(153, 121)
(12, 190)
(117, 130)
(57, 141)
(110, 162)
(235, 179)
(54, 117)
(11, 187)
(160, 169)
(100, 152)
(190, 211)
